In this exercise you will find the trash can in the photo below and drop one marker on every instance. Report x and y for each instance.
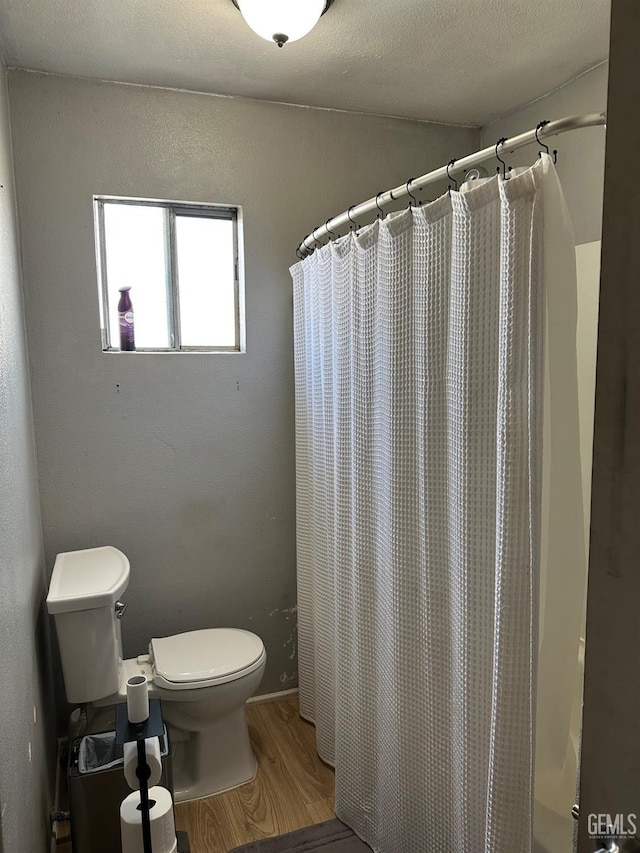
(96, 785)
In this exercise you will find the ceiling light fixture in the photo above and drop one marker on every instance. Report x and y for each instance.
(282, 20)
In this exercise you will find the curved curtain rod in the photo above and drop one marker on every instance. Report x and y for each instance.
(552, 128)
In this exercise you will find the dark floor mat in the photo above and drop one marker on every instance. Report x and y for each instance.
(330, 837)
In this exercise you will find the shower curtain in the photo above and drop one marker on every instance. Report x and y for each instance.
(419, 369)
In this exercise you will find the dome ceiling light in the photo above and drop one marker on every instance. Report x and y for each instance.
(281, 21)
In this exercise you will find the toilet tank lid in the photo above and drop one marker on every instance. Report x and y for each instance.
(87, 579)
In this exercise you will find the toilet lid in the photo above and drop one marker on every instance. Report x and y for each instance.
(203, 658)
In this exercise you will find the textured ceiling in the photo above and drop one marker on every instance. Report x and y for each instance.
(458, 61)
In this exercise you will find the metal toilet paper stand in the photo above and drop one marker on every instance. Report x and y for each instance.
(127, 732)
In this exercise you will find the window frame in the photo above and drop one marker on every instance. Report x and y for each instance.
(232, 213)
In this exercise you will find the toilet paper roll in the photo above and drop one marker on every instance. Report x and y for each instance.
(137, 699)
(154, 762)
(163, 831)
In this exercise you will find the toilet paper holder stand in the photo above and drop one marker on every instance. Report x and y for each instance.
(127, 732)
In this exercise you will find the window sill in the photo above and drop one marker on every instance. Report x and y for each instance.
(191, 351)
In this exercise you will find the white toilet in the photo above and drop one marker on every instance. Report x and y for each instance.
(203, 677)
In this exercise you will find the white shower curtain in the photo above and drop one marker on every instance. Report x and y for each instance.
(419, 361)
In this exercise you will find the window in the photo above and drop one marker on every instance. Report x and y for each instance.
(181, 263)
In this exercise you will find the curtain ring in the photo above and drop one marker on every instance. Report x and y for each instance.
(450, 176)
(381, 214)
(299, 254)
(354, 224)
(332, 234)
(539, 126)
(505, 177)
(410, 194)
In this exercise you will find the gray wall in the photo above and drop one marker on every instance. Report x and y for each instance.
(610, 762)
(580, 154)
(27, 739)
(185, 462)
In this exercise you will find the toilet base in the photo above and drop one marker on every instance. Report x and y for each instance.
(208, 731)
(213, 760)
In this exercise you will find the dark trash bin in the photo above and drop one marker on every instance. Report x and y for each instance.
(96, 785)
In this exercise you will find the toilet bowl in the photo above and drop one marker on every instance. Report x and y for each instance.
(202, 677)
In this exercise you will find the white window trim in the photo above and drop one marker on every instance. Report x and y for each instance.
(182, 208)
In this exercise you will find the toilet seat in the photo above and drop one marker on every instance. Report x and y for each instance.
(205, 658)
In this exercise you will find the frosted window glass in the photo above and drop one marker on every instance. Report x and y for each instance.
(206, 281)
(135, 250)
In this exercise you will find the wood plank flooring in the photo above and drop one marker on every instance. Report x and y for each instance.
(293, 788)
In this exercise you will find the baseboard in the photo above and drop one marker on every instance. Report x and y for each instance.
(272, 697)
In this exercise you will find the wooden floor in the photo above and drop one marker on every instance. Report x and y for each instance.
(293, 787)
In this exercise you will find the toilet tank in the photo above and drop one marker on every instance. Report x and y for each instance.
(83, 599)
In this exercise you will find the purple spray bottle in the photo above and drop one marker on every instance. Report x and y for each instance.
(125, 320)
